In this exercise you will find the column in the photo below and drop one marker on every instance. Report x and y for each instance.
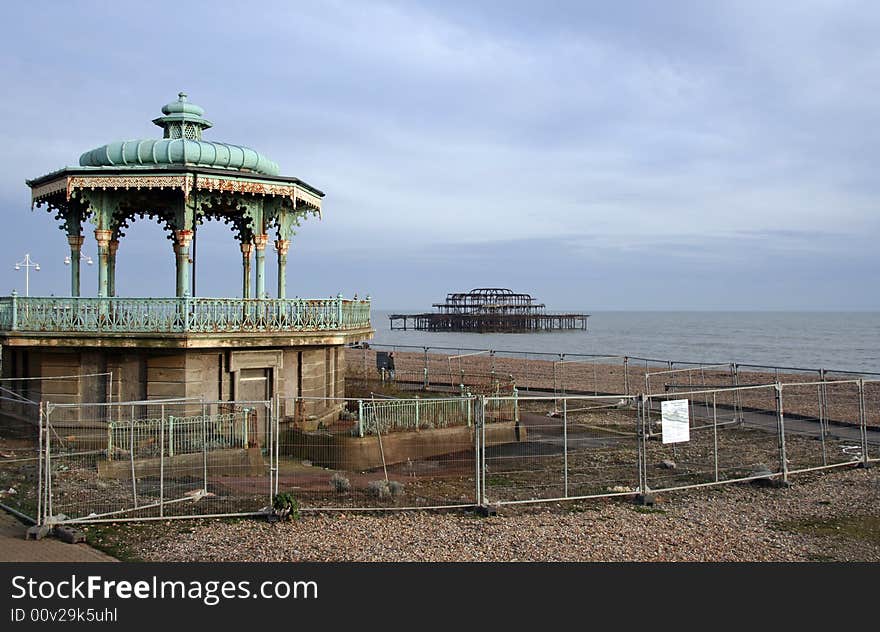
(246, 249)
(111, 270)
(76, 242)
(182, 240)
(103, 239)
(281, 247)
(260, 245)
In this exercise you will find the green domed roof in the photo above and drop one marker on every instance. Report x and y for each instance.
(182, 145)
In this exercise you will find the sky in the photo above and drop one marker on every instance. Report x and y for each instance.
(601, 156)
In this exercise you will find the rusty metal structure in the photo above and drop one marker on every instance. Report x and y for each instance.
(489, 309)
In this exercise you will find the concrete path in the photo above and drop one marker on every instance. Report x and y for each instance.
(14, 548)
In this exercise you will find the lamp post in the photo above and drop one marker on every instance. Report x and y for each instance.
(75, 245)
(27, 264)
(82, 257)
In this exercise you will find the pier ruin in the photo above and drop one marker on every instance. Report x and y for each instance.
(489, 309)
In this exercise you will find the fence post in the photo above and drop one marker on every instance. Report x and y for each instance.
(478, 467)
(47, 506)
(427, 379)
(715, 430)
(565, 444)
(109, 441)
(863, 423)
(205, 447)
(360, 418)
(822, 419)
(483, 444)
(170, 433)
(40, 519)
(783, 460)
(275, 421)
(162, 464)
(339, 310)
(515, 404)
(562, 373)
(737, 405)
(625, 375)
(640, 440)
(134, 494)
(245, 426)
(417, 414)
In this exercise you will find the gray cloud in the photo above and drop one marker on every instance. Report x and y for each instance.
(635, 138)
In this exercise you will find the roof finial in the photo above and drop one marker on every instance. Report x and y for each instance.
(182, 119)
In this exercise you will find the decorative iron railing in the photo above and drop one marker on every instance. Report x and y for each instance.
(180, 315)
(145, 438)
(391, 415)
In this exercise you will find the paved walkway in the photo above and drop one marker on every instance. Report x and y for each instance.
(14, 548)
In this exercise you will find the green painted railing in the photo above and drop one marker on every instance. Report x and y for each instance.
(180, 315)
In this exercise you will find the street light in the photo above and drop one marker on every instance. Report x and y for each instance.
(27, 264)
(82, 257)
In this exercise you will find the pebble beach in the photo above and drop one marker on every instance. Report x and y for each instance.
(831, 516)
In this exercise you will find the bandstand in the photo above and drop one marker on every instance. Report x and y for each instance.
(250, 348)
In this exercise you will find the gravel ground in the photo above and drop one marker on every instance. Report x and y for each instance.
(829, 516)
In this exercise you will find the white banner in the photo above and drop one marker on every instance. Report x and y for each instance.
(675, 423)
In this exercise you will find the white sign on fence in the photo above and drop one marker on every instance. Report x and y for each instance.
(675, 421)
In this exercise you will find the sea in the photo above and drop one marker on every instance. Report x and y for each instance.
(810, 340)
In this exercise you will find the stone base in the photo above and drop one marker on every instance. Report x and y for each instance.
(344, 452)
(149, 372)
(243, 462)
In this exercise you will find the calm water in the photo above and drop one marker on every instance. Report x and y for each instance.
(833, 340)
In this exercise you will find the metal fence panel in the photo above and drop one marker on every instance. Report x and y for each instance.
(814, 437)
(379, 453)
(20, 456)
(156, 459)
(724, 443)
(586, 447)
(871, 390)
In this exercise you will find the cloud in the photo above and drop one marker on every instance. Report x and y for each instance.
(636, 129)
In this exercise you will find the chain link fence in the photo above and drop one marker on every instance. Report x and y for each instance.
(156, 459)
(386, 453)
(22, 427)
(490, 443)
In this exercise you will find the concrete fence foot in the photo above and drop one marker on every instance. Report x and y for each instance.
(37, 532)
(69, 534)
(645, 500)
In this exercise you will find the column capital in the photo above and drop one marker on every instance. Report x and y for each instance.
(75, 241)
(113, 246)
(103, 237)
(282, 246)
(183, 238)
(260, 241)
(247, 248)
